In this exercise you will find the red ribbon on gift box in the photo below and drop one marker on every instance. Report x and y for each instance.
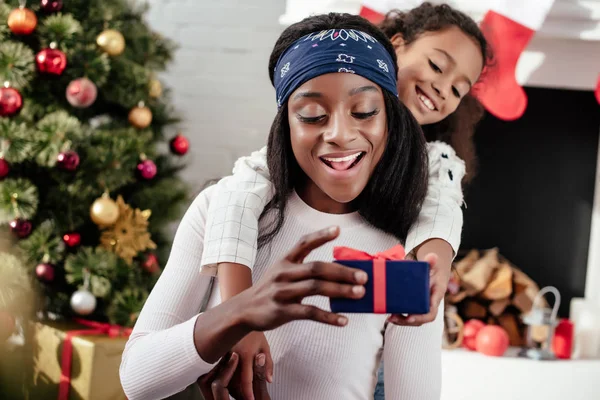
(95, 328)
(395, 253)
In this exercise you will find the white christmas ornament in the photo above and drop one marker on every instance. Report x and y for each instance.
(83, 302)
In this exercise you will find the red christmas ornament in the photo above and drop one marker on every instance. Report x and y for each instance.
(492, 340)
(179, 144)
(147, 169)
(81, 93)
(72, 239)
(51, 6)
(68, 160)
(21, 228)
(45, 272)
(4, 168)
(470, 331)
(22, 21)
(150, 264)
(51, 61)
(10, 101)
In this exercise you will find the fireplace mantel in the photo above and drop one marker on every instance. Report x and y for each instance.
(565, 53)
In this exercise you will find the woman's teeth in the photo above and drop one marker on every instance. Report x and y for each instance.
(428, 103)
(341, 163)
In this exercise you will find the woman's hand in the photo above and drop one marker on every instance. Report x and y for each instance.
(277, 298)
(216, 384)
(249, 348)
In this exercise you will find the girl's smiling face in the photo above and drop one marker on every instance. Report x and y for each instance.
(436, 71)
(338, 131)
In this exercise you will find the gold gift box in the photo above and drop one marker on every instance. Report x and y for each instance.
(94, 367)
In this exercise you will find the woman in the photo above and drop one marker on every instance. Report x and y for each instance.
(343, 152)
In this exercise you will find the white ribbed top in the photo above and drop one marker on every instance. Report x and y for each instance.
(312, 360)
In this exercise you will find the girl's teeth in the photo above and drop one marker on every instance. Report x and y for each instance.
(342, 159)
(428, 103)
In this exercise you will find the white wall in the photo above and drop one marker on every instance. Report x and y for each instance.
(219, 77)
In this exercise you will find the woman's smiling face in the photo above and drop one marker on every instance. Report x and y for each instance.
(338, 129)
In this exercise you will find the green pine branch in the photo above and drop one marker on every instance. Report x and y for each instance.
(132, 84)
(4, 31)
(18, 199)
(15, 141)
(55, 134)
(44, 245)
(102, 266)
(16, 64)
(126, 305)
(62, 29)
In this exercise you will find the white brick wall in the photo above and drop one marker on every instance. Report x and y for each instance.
(219, 78)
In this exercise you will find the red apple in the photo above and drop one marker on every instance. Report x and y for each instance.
(492, 340)
(470, 330)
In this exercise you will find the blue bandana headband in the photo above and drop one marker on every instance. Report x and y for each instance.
(333, 50)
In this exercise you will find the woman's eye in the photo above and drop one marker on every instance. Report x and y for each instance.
(455, 92)
(365, 115)
(434, 67)
(310, 120)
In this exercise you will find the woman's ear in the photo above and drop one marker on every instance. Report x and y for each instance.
(397, 41)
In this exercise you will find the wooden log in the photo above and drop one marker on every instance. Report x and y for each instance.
(478, 277)
(501, 284)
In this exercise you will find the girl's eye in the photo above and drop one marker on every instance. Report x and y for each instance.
(365, 115)
(455, 92)
(310, 120)
(434, 67)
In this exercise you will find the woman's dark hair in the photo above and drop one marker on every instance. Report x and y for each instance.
(459, 127)
(392, 199)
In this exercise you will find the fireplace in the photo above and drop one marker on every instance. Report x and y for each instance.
(534, 193)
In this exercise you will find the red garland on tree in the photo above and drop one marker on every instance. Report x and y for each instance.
(72, 239)
(21, 228)
(179, 144)
(51, 61)
(147, 169)
(45, 272)
(10, 101)
(68, 160)
(4, 168)
(51, 6)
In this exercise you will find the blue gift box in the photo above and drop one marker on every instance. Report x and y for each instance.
(406, 288)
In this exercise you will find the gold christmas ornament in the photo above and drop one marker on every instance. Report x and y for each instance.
(140, 116)
(104, 211)
(111, 41)
(129, 235)
(154, 88)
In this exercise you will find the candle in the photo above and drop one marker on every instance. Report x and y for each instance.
(586, 318)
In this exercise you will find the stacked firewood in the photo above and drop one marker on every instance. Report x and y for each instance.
(489, 288)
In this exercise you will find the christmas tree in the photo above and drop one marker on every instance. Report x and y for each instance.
(86, 189)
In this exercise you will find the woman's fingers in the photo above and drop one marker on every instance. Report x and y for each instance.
(310, 242)
(303, 311)
(221, 381)
(322, 270)
(295, 291)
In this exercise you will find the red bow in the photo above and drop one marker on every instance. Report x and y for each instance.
(96, 328)
(395, 253)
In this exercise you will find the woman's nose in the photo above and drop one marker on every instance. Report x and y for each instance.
(340, 129)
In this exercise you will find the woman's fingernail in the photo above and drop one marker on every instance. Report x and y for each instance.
(361, 276)
(260, 360)
(342, 320)
(270, 378)
(233, 357)
(332, 230)
(358, 289)
(411, 320)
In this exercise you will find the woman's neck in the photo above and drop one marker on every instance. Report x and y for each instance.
(312, 195)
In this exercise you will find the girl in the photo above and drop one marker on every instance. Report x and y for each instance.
(441, 54)
(355, 85)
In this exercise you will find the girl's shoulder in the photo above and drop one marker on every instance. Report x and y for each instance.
(444, 165)
(442, 150)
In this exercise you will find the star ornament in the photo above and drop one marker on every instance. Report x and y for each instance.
(129, 235)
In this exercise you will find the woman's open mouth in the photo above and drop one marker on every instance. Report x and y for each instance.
(343, 163)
